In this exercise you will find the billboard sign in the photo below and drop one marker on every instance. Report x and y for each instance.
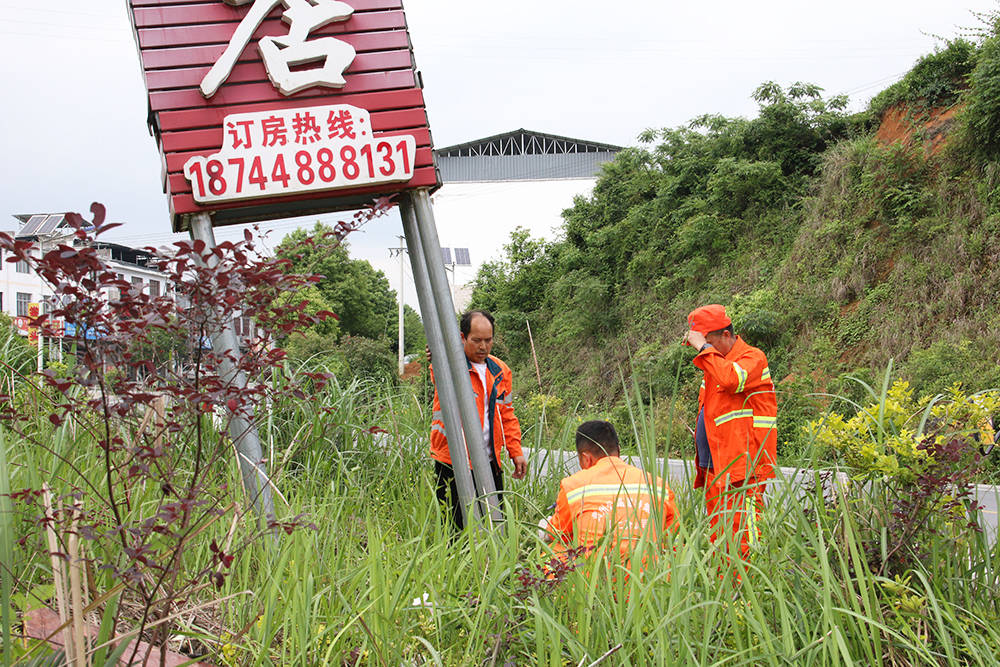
(34, 311)
(276, 108)
(52, 327)
(307, 149)
(70, 331)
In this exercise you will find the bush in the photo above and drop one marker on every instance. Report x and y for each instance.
(937, 80)
(917, 461)
(543, 419)
(738, 185)
(140, 470)
(367, 358)
(982, 111)
(943, 364)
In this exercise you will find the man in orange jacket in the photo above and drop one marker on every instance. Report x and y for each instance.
(736, 433)
(608, 495)
(492, 384)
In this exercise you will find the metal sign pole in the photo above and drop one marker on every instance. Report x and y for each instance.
(421, 202)
(445, 387)
(242, 431)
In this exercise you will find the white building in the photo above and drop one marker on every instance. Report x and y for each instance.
(20, 286)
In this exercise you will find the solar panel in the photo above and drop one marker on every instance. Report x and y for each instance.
(50, 224)
(32, 225)
(462, 257)
(446, 255)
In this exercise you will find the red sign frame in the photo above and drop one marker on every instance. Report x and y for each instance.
(180, 40)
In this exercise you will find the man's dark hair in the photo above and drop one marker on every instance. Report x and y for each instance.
(598, 438)
(720, 331)
(465, 324)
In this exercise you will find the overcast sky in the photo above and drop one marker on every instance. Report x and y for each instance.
(73, 120)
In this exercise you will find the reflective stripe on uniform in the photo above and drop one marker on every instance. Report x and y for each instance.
(439, 429)
(742, 375)
(764, 422)
(507, 399)
(437, 416)
(735, 414)
(605, 489)
(766, 374)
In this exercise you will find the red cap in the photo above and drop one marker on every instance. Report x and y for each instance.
(709, 318)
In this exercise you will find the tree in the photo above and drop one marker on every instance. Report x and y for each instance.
(366, 308)
(356, 292)
(414, 339)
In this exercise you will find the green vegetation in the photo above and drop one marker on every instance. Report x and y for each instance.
(362, 340)
(937, 80)
(376, 581)
(834, 250)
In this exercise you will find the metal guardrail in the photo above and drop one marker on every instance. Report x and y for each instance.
(680, 474)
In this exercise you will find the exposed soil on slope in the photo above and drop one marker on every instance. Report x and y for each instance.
(926, 128)
(412, 370)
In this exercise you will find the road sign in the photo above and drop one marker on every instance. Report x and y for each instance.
(276, 108)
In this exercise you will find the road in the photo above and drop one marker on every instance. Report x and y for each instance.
(680, 474)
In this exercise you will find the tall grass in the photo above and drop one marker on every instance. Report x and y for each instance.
(381, 580)
(6, 555)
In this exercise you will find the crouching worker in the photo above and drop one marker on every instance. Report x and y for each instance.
(607, 496)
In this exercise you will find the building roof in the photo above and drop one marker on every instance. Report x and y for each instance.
(523, 155)
(525, 142)
(50, 225)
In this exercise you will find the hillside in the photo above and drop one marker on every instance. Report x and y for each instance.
(839, 242)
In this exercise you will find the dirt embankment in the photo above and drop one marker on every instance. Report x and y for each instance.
(412, 370)
(911, 127)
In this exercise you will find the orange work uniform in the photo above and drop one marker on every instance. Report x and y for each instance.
(496, 400)
(611, 496)
(741, 415)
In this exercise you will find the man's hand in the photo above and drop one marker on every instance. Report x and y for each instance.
(695, 339)
(520, 467)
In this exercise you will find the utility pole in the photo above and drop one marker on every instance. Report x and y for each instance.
(402, 250)
(453, 283)
(451, 263)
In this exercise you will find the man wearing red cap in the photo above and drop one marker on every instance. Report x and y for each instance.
(736, 433)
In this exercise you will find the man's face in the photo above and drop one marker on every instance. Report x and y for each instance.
(723, 342)
(479, 342)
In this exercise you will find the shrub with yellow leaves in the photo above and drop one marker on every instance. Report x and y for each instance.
(889, 436)
(914, 461)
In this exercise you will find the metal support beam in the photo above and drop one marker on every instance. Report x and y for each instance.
(420, 202)
(242, 431)
(445, 387)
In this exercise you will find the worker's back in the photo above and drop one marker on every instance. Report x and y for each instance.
(613, 496)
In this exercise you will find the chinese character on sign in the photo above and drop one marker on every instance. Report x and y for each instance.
(240, 138)
(275, 132)
(306, 129)
(299, 149)
(340, 124)
(281, 53)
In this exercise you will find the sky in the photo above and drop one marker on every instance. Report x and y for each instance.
(73, 131)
